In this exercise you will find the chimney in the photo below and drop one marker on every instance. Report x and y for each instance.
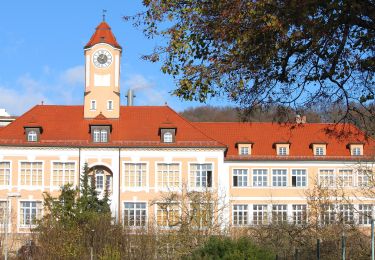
(300, 119)
(130, 96)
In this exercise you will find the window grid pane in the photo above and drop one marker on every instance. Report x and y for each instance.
(365, 214)
(279, 214)
(299, 214)
(299, 178)
(168, 175)
(240, 215)
(201, 175)
(31, 173)
(279, 178)
(30, 211)
(260, 178)
(4, 173)
(135, 214)
(63, 173)
(240, 177)
(260, 215)
(135, 175)
(327, 178)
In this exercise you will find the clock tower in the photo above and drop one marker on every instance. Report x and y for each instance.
(102, 74)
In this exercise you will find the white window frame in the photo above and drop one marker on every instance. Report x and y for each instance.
(260, 177)
(279, 210)
(279, 176)
(319, 151)
(299, 214)
(135, 188)
(38, 212)
(240, 215)
(93, 104)
(244, 150)
(29, 186)
(135, 209)
(282, 151)
(158, 172)
(110, 105)
(7, 173)
(203, 175)
(242, 178)
(32, 136)
(357, 151)
(365, 214)
(167, 137)
(327, 176)
(264, 212)
(53, 186)
(343, 179)
(168, 209)
(301, 178)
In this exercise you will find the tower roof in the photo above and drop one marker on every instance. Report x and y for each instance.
(103, 34)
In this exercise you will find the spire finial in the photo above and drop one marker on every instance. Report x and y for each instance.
(104, 12)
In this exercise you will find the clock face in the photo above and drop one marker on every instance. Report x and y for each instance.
(102, 58)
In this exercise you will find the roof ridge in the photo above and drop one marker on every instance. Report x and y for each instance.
(190, 123)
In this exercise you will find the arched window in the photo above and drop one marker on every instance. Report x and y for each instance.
(168, 138)
(32, 136)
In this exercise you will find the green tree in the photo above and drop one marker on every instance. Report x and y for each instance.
(262, 52)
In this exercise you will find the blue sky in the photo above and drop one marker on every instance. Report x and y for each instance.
(41, 50)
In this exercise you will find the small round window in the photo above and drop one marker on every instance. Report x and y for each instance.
(168, 138)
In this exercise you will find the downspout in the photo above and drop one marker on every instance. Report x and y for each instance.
(119, 186)
(79, 168)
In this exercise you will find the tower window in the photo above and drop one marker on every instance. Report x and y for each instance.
(109, 105)
(93, 105)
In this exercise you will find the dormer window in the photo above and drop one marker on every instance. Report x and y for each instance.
(282, 149)
(244, 148)
(319, 149)
(356, 149)
(167, 135)
(32, 133)
(32, 136)
(100, 134)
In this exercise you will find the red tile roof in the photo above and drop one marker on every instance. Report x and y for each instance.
(137, 127)
(103, 34)
(264, 135)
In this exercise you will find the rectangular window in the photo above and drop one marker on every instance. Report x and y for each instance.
(345, 178)
(356, 151)
(135, 175)
(365, 214)
(201, 214)
(31, 173)
(279, 178)
(260, 177)
(63, 173)
(319, 151)
(260, 215)
(99, 181)
(279, 214)
(167, 214)
(168, 175)
(282, 150)
(240, 178)
(364, 177)
(93, 105)
(244, 150)
(327, 178)
(109, 105)
(3, 213)
(100, 136)
(240, 215)
(135, 214)
(201, 175)
(30, 211)
(4, 173)
(328, 214)
(346, 214)
(299, 178)
(299, 214)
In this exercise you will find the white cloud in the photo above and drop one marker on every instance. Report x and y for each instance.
(138, 81)
(18, 102)
(145, 91)
(74, 75)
